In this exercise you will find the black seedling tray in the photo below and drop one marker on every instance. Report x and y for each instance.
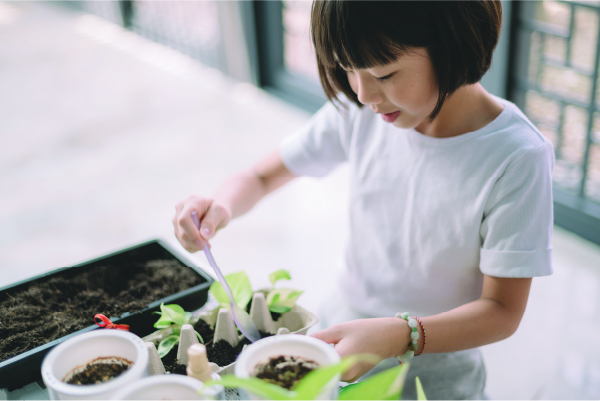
(25, 368)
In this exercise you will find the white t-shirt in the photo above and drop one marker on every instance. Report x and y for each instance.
(429, 216)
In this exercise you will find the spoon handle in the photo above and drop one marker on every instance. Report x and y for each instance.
(240, 317)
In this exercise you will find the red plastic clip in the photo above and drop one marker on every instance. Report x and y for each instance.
(107, 324)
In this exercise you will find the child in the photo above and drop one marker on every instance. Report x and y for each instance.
(451, 198)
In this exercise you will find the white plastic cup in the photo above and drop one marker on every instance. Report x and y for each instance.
(84, 348)
(170, 387)
(306, 347)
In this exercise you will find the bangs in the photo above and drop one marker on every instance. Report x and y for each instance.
(342, 40)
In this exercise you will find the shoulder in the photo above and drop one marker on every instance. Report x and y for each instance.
(518, 137)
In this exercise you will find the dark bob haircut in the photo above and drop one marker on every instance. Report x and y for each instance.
(460, 37)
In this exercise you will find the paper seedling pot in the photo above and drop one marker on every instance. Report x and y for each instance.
(82, 349)
(170, 387)
(296, 321)
(303, 346)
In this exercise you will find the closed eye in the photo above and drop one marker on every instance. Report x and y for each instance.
(383, 79)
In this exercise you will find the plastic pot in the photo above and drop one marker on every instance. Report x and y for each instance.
(294, 345)
(80, 350)
(170, 387)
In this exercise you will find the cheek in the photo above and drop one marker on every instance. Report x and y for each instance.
(418, 95)
(352, 82)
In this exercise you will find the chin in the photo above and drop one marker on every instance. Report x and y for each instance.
(408, 122)
(403, 124)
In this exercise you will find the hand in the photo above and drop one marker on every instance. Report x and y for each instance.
(385, 337)
(212, 214)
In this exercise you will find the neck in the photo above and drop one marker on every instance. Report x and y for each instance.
(468, 109)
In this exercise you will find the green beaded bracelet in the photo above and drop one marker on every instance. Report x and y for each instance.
(414, 336)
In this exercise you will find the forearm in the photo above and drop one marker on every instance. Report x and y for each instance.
(484, 321)
(242, 191)
(477, 323)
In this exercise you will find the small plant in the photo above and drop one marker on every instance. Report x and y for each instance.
(240, 287)
(279, 300)
(386, 385)
(175, 317)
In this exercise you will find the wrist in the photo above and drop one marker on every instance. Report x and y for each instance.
(421, 340)
(401, 337)
(416, 332)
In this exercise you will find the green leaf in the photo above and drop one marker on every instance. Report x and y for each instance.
(282, 300)
(170, 314)
(255, 386)
(199, 337)
(420, 393)
(313, 383)
(188, 317)
(162, 324)
(386, 385)
(275, 299)
(279, 275)
(240, 287)
(167, 344)
(279, 309)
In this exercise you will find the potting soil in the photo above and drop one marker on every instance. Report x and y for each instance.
(98, 371)
(54, 307)
(285, 371)
(221, 353)
(170, 363)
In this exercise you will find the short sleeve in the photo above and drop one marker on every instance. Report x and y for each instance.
(517, 226)
(321, 145)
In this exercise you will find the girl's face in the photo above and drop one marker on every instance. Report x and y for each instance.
(404, 92)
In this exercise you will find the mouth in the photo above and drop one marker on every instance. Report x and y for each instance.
(390, 117)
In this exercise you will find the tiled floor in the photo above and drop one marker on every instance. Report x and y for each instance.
(102, 132)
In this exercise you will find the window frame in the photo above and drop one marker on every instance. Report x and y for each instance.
(272, 74)
(573, 212)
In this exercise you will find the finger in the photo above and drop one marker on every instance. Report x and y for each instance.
(331, 335)
(216, 217)
(188, 233)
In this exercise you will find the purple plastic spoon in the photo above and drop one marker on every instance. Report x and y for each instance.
(241, 318)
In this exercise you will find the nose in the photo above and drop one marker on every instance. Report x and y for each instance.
(368, 91)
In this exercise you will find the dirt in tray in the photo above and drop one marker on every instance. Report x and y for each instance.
(54, 307)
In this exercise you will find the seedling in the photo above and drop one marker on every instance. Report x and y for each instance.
(279, 300)
(172, 316)
(240, 287)
(386, 385)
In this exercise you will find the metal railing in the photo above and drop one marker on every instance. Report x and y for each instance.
(191, 27)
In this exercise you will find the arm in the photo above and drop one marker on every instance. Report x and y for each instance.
(242, 191)
(493, 317)
(234, 197)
